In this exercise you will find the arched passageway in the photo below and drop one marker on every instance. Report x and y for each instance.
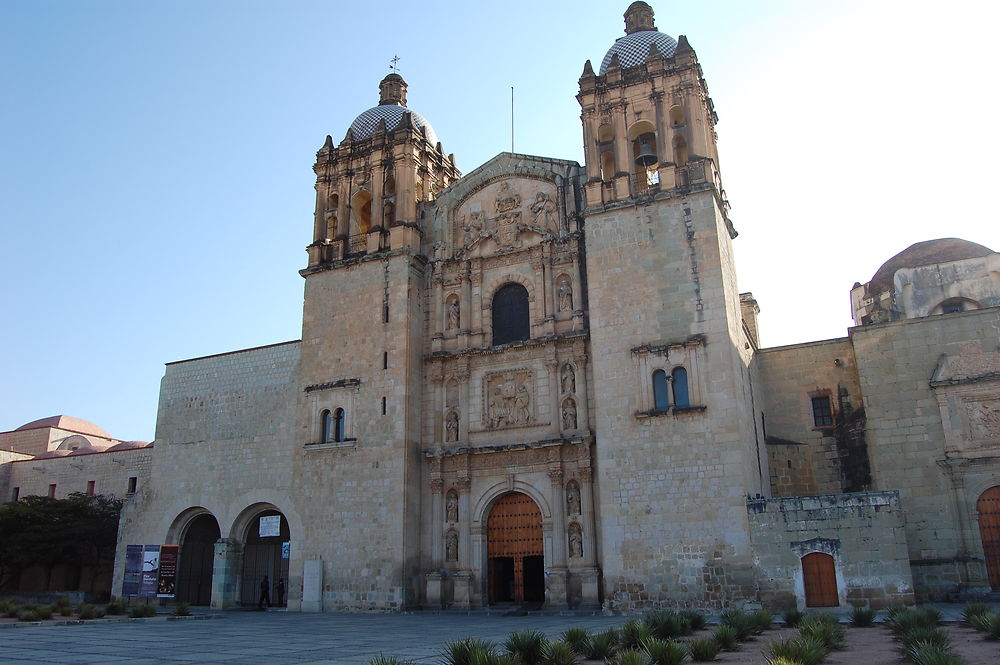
(988, 509)
(267, 543)
(197, 554)
(515, 551)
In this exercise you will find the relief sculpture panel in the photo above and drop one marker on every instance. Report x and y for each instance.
(984, 421)
(508, 399)
(506, 215)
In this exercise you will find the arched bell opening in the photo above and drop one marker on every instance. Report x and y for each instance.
(361, 203)
(644, 154)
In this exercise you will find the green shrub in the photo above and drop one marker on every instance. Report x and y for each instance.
(907, 619)
(781, 660)
(388, 660)
(727, 638)
(469, 651)
(27, 613)
(762, 620)
(666, 624)
(86, 611)
(630, 657)
(665, 652)
(862, 617)
(116, 606)
(792, 617)
(634, 634)
(695, 619)
(526, 646)
(988, 623)
(824, 628)
(891, 612)
(803, 650)
(557, 653)
(142, 611)
(928, 654)
(603, 645)
(578, 639)
(924, 635)
(931, 614)
(704, 651)
(974, 610)
(62, 606)
(8, 607)
(182, 609)
(739, 621)
(44, 612)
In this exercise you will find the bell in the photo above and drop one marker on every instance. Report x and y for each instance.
(646, 155)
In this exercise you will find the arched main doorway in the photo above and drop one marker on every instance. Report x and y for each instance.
(267, 543)
(515, 552)
(819, 577)
(988, 507)
(197, 554)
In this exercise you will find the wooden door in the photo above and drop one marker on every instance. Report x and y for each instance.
(988, 508)
(820, 579)
(514, 532)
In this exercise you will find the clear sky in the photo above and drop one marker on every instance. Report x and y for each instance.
(155, 157)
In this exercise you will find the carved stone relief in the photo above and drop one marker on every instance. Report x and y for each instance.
(568, 379)
(545, 212)
(984, 419)
(451, 426)
(569, 413)
(454, 313)
(565, 292)
(575, 541)
(518, 206)
(508, 399)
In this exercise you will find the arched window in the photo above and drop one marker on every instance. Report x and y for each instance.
(388, 214)
(326, 419)
(510, 314)
(338, 425)
(660, 400)
(676, 115)
(680, 380)
(362, 205)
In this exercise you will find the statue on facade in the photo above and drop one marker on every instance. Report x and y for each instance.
(451, 547)
(454, 314)
(568, 380)
(544, 209)
(451, 507)
(451, 427)
(565, 295)
(569, 414)
(575, 541)
(573, 498)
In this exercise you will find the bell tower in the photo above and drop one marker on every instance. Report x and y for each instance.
(369, 188)
(676, 444)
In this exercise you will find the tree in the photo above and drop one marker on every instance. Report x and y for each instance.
(78, 532)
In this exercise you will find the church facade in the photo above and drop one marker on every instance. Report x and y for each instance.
(538, 384)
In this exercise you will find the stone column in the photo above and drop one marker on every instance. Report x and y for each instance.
(556, 573)
(226, 572)
(555, 395)
(589, 574)
(437, 522)
(577, 297)
(623, 147)
(582, 404)
(590, 155)
(463, 578)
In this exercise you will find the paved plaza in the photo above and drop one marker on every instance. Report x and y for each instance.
(271, 638)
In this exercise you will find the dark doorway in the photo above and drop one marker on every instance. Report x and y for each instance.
(265, 556)
(515, 551)
(194, 565)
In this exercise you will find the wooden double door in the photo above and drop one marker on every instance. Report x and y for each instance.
(515, 551)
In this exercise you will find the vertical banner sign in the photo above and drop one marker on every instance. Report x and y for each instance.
(270, 526)
(167, 580)
(133, 571)
(150, 570)
(286, 548)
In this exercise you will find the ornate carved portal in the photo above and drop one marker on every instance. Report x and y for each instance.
(515, 551)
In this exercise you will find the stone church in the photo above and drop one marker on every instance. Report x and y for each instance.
(538, 384)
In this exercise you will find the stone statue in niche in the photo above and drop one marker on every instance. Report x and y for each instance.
(575, 541)
(508, 399)
(569, 414)
(454, 313)
(544, 209)
(568, 379)
(451, 427)
(565, 292)
(573, 498)
(451, 547)
(451, 506)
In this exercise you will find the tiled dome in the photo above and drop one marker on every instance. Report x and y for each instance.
(632, 49)
(366, 123)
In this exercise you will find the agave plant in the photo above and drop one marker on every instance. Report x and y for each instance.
(388, 660)
(862, 617)
(630, 657)
(695, 619)
(665, 624)
(557, 653)
(526, 646)
(792, 617)
(761, 620)
(578, 639)
(739, 621)
(928, 654)
(603, 645)
(704, 651)
(469, 651)
(727, 638)
(635, 633)
(824, 628)
(974, 610)
(989, 623)
(924, 635)
(802, 650)
(665, 652)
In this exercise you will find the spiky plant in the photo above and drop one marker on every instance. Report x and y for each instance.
(739, 621)
(388, 660)
(973, 610)
(862, 617)
(704, 650)
(666, 624)
(630, 657)
(635, 633)
(907, 619)
(802, 650)
(182, 609)
(603, 645)
(665, 652)
(116, 606)
(727, 638)
(762, 620)
(557, 653)
(925, 635)
(695, 618)
(988, 623)
(578, 639)
(929, 654)
(792, 617)
(468, 651)
(526, 646)
(825, 629)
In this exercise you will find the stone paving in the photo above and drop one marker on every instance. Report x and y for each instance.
(277, 638)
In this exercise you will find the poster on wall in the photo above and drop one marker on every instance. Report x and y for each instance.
(167, 580)
(270, 526)
(150, 570)
(133, 571)
(286, 548)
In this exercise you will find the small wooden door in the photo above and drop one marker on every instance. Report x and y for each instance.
(820, 579)
(514, 538)
(988, 508)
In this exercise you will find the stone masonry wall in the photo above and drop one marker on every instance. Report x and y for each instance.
(864, 533)
(110, 472)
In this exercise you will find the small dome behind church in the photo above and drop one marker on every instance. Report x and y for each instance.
(391, 108)
(641, 34)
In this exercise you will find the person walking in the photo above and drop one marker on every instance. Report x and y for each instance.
(265, 594)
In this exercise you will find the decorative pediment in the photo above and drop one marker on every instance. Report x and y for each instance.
(505, 215)
(967, 388)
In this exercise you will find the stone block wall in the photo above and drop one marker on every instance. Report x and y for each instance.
(109, 471)
(864, 532)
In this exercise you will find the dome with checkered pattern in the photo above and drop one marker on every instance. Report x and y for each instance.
(391, 108)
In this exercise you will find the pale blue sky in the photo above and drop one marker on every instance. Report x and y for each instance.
(156, 180)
